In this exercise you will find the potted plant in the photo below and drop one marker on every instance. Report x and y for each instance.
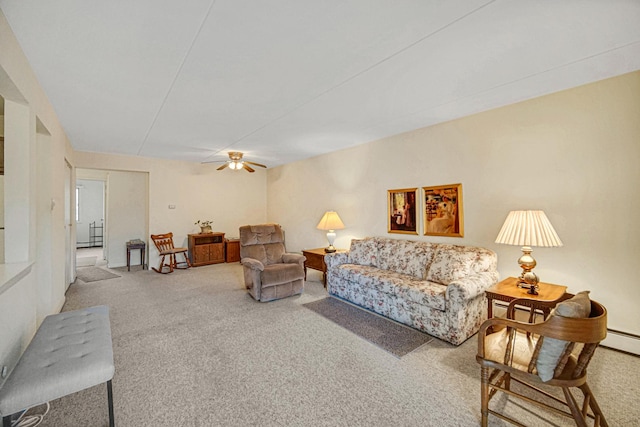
(205, 226)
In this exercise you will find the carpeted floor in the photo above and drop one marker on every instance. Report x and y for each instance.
(86, 261)
(193, 349)
(391, 336)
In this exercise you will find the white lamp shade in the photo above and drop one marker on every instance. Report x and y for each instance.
(330, 221)
(528, 228)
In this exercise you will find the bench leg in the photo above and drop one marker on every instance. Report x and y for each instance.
(112, 421)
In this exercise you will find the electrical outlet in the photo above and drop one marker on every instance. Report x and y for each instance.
(4, 371)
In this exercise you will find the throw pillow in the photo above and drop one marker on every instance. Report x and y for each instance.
(552, 349)
(363, 252)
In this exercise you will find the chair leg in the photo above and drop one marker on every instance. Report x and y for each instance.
(573, 406)
(162, 265)
(593, 404)
(112, 421)
(484, 395)
(182, 266)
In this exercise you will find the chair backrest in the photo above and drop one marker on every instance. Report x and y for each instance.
(587, 332)
(163, 242)
(264, 242)
(558, 338)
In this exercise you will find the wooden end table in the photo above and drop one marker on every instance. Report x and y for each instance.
(136, 244)
(508, 290)
(315, 261)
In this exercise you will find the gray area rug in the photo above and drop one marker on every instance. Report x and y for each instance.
(391, 336)
(94, 274)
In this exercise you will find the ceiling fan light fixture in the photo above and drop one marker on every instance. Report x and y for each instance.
(236, 162)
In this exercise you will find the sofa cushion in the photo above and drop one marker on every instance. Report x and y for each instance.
(363, 252)
(405, 256)
(453, 262)
(396, 285)
(420, 292)
(364, 275)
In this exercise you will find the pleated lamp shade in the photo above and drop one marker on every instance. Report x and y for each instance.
(528, 228)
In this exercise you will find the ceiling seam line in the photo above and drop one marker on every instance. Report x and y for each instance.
(175, 78)
(361, 73)
(518, 80)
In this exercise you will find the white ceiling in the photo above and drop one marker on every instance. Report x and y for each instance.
(284, 80)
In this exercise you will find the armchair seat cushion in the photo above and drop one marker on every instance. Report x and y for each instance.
(276, 274)
(522, 349)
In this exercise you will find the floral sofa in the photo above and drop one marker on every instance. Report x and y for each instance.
(436, 288)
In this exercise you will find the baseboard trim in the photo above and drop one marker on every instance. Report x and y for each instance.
(623, 341)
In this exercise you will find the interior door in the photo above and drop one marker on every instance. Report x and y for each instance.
(69, 217)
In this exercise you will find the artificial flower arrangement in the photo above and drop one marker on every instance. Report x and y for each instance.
(205, 226)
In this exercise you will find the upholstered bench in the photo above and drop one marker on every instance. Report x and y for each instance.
(71, 351)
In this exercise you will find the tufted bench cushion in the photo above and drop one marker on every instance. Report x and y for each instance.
(71, 351)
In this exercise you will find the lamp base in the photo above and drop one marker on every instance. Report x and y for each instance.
(532, 289)
(528, 279)
(330, 250)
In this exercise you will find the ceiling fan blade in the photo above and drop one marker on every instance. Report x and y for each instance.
(247, 167)
(255, 164)
(223, 166)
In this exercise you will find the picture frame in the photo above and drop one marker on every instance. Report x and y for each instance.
(443, 212)
(402, 212)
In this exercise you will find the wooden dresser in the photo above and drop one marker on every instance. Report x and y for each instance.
(206, 248)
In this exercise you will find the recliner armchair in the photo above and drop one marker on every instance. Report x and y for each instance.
(269, 272)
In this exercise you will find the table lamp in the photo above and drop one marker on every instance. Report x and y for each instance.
(330, 221)
(527, 229)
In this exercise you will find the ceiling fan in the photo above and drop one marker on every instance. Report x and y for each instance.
(235, 162)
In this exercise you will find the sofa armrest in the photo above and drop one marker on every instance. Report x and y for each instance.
(293, 259)
(252, 263)
(336, 258)
(471, 287)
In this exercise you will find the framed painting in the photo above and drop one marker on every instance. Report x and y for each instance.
(443, 215)
(402, 211)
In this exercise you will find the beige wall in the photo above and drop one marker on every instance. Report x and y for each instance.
(228, 198)
(32, 286)
(573, 154)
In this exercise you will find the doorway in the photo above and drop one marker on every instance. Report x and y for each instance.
(111, 209)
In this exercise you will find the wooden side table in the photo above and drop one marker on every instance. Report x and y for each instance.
(508, 290)
(232, 250)
(315, 261)
(136, 244)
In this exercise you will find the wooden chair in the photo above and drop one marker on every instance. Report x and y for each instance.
(164, 244)
(515, 351)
